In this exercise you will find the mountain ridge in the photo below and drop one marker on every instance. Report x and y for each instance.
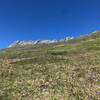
(92, 36)
(37, 42)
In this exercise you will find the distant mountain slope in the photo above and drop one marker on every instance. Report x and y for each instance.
(89, 37)
(62, 71)
(38, 42)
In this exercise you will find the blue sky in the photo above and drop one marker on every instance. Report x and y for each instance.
(47, 19)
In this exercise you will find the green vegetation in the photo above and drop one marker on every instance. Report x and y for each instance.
(66, 71)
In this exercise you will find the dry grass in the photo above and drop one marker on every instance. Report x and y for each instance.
(66, 72)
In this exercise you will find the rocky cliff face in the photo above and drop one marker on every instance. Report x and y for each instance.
(33, 43)
(37, 42)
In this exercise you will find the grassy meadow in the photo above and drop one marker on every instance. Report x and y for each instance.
(66, 71)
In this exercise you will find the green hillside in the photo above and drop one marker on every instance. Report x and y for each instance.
(65, 71)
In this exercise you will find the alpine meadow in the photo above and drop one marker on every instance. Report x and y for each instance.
(63, 70)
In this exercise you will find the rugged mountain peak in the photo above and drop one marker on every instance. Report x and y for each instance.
(37, 42)
(31, 42)
(14, 43)
(68, 38)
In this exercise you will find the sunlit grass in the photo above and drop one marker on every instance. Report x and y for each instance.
(60, 72)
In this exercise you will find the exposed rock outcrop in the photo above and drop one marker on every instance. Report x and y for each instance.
(38, 42)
